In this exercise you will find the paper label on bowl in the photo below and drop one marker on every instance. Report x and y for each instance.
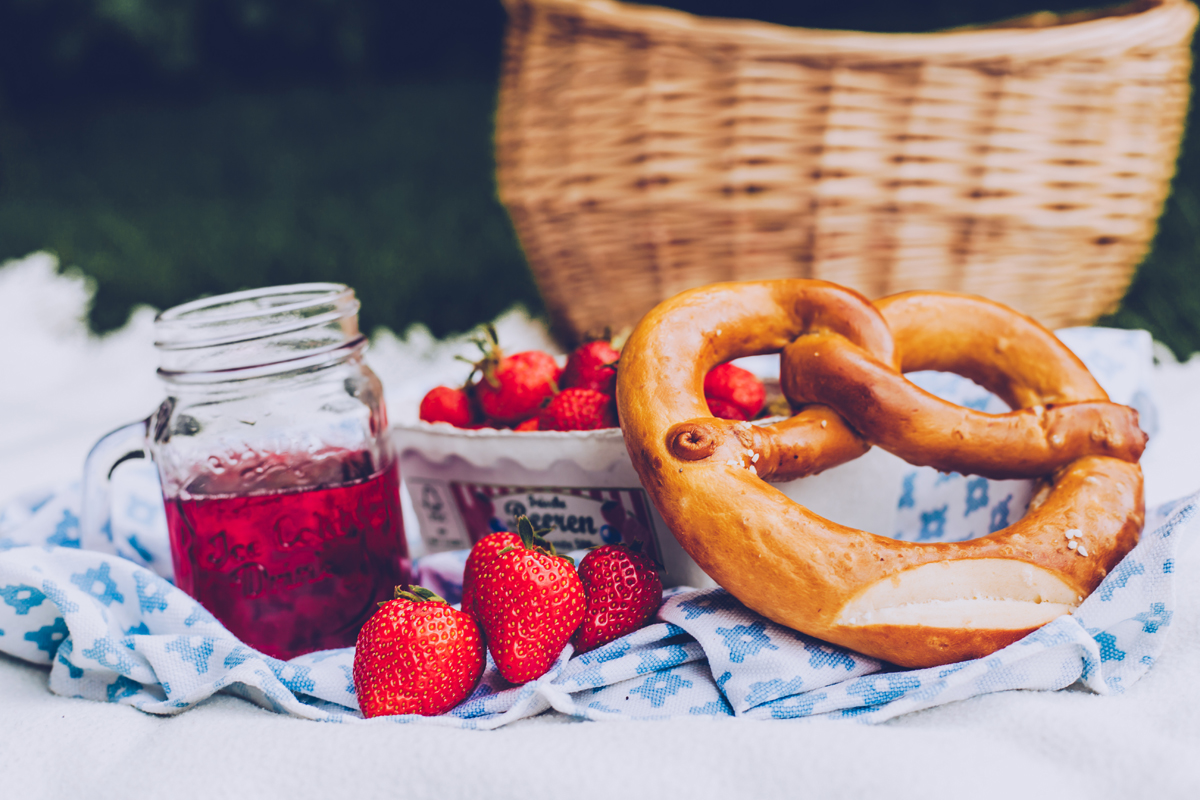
(441, 526)
(455, 514)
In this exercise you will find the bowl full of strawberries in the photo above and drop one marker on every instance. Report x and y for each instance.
(530, 390)
(530, 433)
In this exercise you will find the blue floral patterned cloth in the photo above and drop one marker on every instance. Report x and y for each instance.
(113, 628)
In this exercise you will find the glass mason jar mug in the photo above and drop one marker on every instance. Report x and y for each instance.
(280, 484)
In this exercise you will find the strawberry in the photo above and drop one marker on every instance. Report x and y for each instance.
(724, 410)
(416, 655)
(736, 386)
(529, 602)
(512, 388)
(590, 366)
(515, 388)
(443, 404)
(623, 594)
(483, 551)
(578, 410)
(530, 424)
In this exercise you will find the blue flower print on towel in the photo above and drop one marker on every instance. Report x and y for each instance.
(999, 516)
(977, 495)
(933, 524)
(48, 637)
(1157, 617)
(746, 640)
(111, 631)
(22, 597)
(66, 532)
(661, 685)
(710, 602)
(99, 585)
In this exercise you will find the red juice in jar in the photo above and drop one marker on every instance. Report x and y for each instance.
(294, 571)
(273, 448)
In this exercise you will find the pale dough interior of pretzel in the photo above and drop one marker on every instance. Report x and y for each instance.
(982, 593)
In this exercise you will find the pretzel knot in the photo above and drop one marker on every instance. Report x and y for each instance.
(842, 365)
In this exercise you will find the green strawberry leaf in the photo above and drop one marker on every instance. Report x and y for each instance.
(533, 539)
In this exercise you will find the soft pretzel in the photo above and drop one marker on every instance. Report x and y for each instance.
(1062, 413)
(909, 603)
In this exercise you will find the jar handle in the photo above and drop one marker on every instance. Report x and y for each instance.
(95, 525)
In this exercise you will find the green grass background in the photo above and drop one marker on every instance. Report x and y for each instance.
(172, 156)
(388, 189)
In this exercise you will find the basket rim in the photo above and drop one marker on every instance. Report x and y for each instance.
(1113, 32)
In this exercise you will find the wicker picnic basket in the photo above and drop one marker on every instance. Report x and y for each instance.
(643, 151)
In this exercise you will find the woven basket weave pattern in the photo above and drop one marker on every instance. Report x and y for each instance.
(641, 152)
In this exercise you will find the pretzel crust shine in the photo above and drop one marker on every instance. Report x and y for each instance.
(913, 604)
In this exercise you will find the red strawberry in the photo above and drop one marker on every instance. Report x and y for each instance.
(443, 404)
(623, 593)
(737, 386)
(416, 655)
(530, 424)
(515, 388)
(529, 602)
(590, 367)
(483, 551)
(578, 410)
(724, 410)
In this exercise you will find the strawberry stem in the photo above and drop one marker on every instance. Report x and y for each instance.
(417, 594)
(534, 540)
(489, 345)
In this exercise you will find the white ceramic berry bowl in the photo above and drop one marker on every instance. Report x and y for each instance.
(463, 484)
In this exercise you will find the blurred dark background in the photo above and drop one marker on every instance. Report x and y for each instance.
(172, 148)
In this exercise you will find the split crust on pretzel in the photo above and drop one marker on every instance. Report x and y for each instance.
(908, 603)
(1061, 412)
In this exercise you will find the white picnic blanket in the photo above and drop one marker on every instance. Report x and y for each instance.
(1072, 743)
